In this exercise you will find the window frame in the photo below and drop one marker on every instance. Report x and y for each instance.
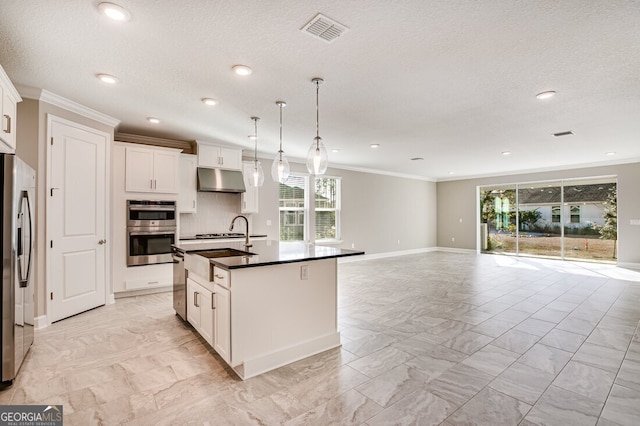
(336, 209)
(296, 210)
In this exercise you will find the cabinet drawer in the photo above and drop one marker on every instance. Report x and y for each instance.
(221, 277)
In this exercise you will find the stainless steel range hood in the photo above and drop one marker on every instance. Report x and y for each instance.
(219, 180)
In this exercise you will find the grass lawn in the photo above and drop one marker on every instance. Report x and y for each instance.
(575, 247)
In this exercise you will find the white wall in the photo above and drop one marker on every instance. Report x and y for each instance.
(377, 210)
(457, 206)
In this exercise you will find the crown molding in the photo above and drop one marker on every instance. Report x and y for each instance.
(67, 104)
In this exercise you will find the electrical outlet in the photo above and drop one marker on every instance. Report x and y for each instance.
(353, 245)
(304, 272)
(268, 222)
(398, 242)
(453, 239)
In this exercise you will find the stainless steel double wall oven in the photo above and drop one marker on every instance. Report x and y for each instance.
(151, 229)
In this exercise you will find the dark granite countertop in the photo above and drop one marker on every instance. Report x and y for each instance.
(264, 253)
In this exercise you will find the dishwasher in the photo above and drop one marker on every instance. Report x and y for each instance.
(179, 283)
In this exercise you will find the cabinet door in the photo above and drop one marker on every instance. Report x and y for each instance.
(207, 316)
(194, 300)
(230, 158)
(222, 323)
(188, 194)
(8, 133)
(208, 156)
(249, 198)
(165, 172)
(139, 170)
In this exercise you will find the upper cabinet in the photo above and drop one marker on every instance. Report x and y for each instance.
(8, 109)
(152, 170)
(188, 195)
(219, 157)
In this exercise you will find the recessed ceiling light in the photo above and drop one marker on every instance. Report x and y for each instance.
(252, 137)
(242, 69)
(153, 120)
(546, 95)
(611, 153)
(375, 145)
(335, 150)
(106, 78)
(505, 153)
(452, 173)
(115, 12)
(209, 101)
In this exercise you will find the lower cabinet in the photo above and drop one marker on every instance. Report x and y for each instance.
(222, 322)
(209, 312)
(200, 309)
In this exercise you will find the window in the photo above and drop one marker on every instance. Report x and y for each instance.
(327, 204)
(292, 208)
(555, 214)
(575, 214)
(295, 217)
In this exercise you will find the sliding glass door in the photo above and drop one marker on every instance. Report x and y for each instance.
(539, 219)
(571, 219)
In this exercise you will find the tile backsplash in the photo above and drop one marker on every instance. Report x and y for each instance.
(215, 212)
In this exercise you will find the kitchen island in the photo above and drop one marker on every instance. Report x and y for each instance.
(264, 306)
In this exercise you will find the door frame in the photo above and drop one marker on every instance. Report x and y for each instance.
(109, 297)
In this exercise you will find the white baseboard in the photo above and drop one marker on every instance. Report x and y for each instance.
(629, 265)
(457, 250)
(111, 299)
(141, 292)
(267, 362)
(350, 259)
(40, 322)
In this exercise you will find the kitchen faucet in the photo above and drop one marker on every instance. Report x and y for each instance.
(247, 244)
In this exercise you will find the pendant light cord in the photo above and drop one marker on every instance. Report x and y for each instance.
(255, 127)
(281, 105)
(317, 114)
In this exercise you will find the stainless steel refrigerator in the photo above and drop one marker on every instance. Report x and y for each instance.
(17, 214)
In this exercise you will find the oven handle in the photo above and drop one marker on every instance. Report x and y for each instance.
(145, 208)
(134, 233)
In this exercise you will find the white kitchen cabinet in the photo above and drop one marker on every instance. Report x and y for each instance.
(249, 198)
(219, 157)
(9, 99)
(151, 170)
(188, 194)
(222, 322)
(200, 310)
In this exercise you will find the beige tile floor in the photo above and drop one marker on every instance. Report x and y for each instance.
(435, 338)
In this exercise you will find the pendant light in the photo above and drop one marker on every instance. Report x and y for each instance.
(257, 175)
(280, 167)
(317, 158)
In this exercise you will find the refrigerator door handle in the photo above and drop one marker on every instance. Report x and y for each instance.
(24, 202)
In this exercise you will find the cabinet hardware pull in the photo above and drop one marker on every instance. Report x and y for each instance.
(151, 183)
(195, 299)
(219, 276)
(101, 242)
(8, 129)
(194, 203)
(213, 303)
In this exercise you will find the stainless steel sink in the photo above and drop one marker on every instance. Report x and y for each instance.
(211, 254)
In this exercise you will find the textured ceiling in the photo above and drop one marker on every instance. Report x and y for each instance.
(452, 81)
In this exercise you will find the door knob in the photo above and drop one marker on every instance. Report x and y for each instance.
(101, 242)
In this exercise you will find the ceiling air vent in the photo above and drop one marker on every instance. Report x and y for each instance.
(324, 28)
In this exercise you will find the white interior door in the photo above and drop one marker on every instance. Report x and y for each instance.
(76, 218)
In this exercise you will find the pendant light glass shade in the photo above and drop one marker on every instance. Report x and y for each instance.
(280, 167)
(257, 175)
(317, 158)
